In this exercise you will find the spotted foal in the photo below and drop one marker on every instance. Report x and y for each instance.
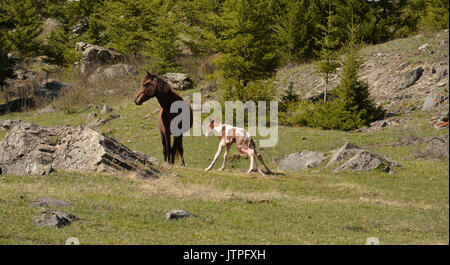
(244, 143)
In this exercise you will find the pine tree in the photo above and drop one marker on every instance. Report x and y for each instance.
(353, 107)
(6, 63)
(328, 56)
(247, 41)
(22, 23)
(436, 14)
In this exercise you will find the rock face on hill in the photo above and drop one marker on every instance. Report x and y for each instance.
(29, 149)
(93, 55)
(402, 75)
(178, 81)
(353, 158)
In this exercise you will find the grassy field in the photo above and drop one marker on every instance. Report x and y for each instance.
(301, 207)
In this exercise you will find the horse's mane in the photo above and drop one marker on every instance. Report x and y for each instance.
(163, 87)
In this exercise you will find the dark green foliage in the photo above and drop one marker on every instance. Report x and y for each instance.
(353, 107)
(328, 57)
(20, 26)
(6, 64)
(247, 43)
(436, 14)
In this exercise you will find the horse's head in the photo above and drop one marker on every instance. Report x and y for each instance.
(147, 90)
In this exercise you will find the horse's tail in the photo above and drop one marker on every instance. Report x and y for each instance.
(176, 156)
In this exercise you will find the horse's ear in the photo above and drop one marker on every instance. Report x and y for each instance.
(150, 75)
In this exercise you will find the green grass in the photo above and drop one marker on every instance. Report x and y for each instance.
(302, 207)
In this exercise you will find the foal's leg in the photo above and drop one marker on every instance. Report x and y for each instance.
(251, 153)
(219, 151)
(259, 156)
(225, 156)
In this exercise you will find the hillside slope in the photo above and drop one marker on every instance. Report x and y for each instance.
(385, 69)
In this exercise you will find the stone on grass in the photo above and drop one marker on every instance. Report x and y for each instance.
(106, 109)
(177, 214)
(347, 151)
(178, 81)
(54, 218)
(353, 158)
(364, 161)
(412, 77)
(304, 160)
(102, 121)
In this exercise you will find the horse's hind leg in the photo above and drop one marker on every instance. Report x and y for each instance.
(259, 156)
(178, 148)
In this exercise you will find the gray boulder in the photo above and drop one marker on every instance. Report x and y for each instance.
(102, 121)
(47, 110)
(364, 161)
(93, 55)
(55, 218)
(353, 158)
(412, 77)
(177, 214)
(347, 151)
(29, 149)
(178, 81)
(432, 100)
(304, 160)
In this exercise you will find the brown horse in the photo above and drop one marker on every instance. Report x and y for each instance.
(154, 86)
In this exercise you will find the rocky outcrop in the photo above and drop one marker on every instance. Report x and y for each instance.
(412, 77)
(432, 100)
(29, 149)
(178, 81)
(55, 218)
(303, 160)
(93, 55)
(353, 158)
(438, 147)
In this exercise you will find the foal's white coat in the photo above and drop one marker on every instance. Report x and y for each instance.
(229, 135)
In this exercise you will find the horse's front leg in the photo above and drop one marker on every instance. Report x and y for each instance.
(164, 144)
(219, 151)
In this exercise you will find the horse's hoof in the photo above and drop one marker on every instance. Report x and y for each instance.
(207, 169)
(221, 169)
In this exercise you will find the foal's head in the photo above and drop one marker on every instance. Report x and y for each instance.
(149, 88)
(210, 129)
